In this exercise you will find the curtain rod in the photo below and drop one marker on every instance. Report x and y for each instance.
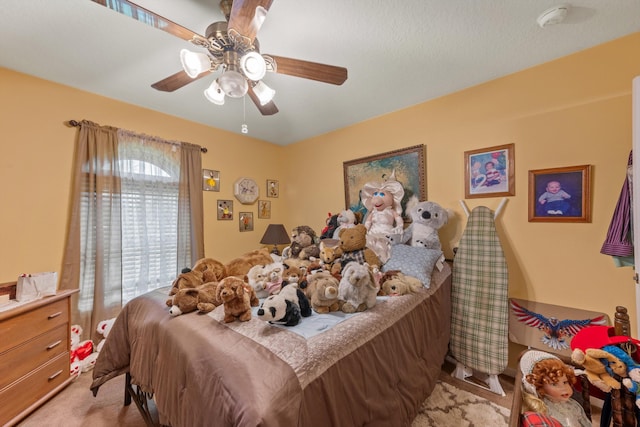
(75, 123)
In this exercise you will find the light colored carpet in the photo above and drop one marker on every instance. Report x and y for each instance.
(448, 406)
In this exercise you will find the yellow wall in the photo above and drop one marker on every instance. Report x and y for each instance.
(573, 111)
(36, 153)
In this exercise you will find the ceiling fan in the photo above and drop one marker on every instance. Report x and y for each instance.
(232, 47)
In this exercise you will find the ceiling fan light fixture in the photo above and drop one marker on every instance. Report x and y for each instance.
(214, 93)
(194, 63)
(233, 84)
(253, 66)
(263, 92)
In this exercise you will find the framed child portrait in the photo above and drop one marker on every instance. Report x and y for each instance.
(560, 194)
(490, 172)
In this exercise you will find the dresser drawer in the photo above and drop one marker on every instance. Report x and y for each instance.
(29, 355)
(29, 389)
(30, 324)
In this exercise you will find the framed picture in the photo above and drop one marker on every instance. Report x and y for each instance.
(560, 194)
(245, 221)
(273, 189)
(225, 209)
(210, 180)
(264, 209)
(489, 172)
(407, 163)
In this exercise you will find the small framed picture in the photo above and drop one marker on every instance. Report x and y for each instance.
(225, 209)
(273, 189)
(489, 172)
(264, 209)
(560, 194)
(246, 221)
(210, 180)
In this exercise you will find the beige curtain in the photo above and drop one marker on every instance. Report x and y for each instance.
(136, 219)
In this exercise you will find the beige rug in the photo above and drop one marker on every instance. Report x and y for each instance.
(75, 406)
(449, 406)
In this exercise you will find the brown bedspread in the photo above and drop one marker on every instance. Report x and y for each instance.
(374, 368)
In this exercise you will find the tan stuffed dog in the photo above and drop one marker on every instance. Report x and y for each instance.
(394, 283)
(238, 298)
(203, 298)
(596, 371)
(240, 266)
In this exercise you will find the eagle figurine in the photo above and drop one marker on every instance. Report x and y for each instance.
(556, 332)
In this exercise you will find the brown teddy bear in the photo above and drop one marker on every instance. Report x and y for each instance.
(395, 283)
(212, 270)
(595, 369)
(202, 298)
(187, 279)
(240, 266)
(353, 244)
(238, 298)
(322, 291)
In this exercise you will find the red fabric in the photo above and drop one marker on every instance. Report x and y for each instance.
(536, 419)
(598, 337)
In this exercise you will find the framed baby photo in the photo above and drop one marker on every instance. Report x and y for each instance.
(490, 172)
(245, 220)
(560, 194)
(225, 209)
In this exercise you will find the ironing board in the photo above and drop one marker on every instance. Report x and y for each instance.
(480, 304)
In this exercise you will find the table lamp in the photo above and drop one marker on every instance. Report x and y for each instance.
(275, 235)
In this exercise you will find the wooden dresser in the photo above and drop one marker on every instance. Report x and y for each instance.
(34, 355)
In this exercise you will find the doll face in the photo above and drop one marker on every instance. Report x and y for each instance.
(560, 391)
(382, 199)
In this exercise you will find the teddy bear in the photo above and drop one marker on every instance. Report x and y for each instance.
(595, 369)
(322, 291)
(203, 299)
(240, 266)
(273, 277)
(427, 218)
(103, 328)
(330, 257)
(237, 297)
(257, 278)
(632, 382)
(212, 269)
(303, 243)
(186, 279)
(353, 245)
(357, 290)
(395, 283)
(82, 356)
(346, 219)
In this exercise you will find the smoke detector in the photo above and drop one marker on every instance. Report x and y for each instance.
(552, 16)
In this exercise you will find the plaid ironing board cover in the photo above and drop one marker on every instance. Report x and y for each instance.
(480, 303)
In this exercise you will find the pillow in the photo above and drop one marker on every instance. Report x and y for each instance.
(413, 261)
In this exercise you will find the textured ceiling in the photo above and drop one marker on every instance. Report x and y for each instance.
(398, 53)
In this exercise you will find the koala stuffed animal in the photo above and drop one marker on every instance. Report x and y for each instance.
(427, 218)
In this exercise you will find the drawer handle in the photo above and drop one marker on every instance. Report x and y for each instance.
(51, 316)
(55, 344)
(52, 377)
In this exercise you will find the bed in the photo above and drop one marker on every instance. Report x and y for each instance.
(373, 368)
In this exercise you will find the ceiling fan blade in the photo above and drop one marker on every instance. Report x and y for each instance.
(141, 14)
(310, 70)
(176, 81)
(267, 109)
(246, 19)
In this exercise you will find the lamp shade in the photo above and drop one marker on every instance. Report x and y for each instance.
(275, 235)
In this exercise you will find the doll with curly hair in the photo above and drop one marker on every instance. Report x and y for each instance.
(547, 383)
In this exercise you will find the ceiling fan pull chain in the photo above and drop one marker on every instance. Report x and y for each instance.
(244, 127)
